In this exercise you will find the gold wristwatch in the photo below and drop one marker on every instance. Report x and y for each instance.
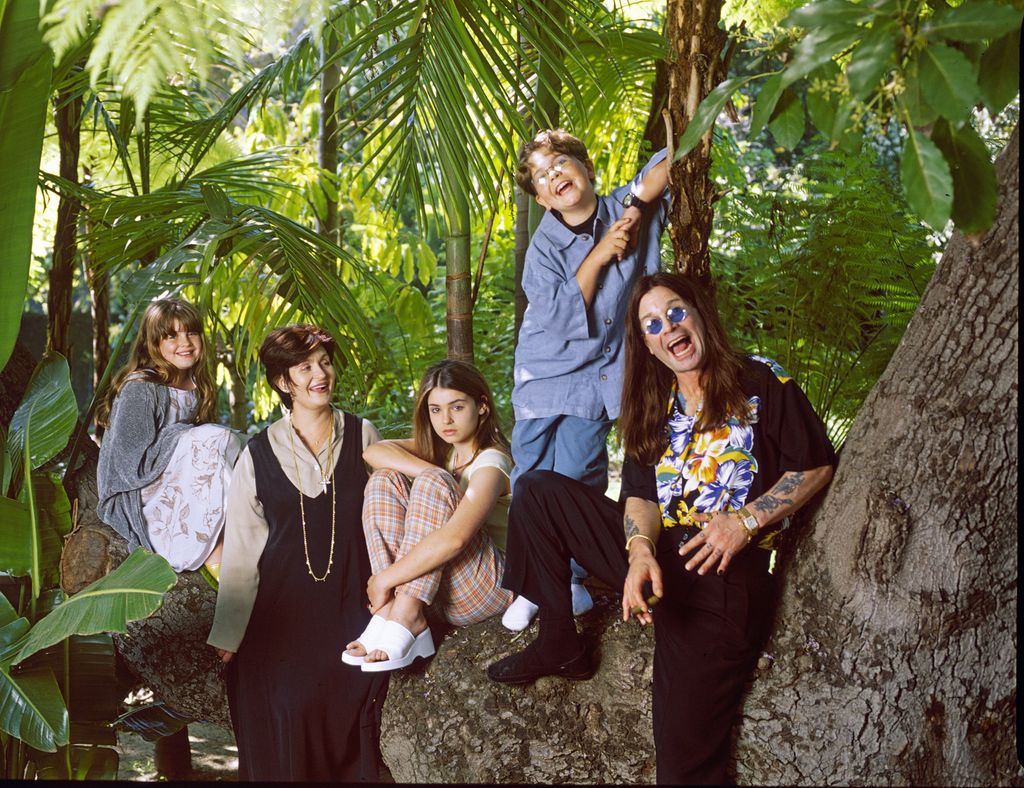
(749, 523)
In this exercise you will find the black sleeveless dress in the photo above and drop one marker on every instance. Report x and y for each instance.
(298, 712)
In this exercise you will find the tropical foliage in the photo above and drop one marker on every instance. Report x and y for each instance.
(921, 65)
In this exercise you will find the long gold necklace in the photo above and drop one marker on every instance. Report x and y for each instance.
(325, 478)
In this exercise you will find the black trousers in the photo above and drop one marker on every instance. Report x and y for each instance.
(708, 629)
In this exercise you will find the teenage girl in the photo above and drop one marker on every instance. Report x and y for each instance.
(434, 515)
(164, 468)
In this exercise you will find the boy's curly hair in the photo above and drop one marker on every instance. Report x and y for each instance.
(558, 140)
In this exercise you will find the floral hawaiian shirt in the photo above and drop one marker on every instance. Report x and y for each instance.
(727, 467)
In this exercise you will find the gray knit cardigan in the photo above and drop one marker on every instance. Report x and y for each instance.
(137, 447)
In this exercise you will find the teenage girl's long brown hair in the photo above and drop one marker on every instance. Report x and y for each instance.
(157, 322)
(647, 383)
(458, 375)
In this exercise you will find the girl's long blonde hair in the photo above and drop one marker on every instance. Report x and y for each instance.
(145, 360)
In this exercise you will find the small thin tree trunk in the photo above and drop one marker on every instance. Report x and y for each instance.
(458, 283)
(67, 116)
(329, 225)
(99, 298)
(695, 67)
(522, 243)
(544, 114)
(237, 397)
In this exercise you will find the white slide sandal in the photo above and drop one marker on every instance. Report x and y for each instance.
(401, 645)
(368, 640)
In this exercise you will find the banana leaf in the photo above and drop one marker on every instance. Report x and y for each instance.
(25, 67)
(15, 550)
(87, 763)
(51, 401)
(133, 591)
(32, 708)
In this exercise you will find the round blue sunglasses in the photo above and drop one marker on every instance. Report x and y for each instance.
(654, 325)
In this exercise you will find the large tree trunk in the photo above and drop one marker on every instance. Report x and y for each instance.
(67, 115)
(893, 655)
(695, 66)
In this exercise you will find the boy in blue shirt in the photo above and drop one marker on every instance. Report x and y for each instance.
(581, 263)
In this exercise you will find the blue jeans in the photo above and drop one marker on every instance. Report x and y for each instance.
(570, 445)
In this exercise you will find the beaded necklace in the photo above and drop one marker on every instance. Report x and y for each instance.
(325, 479)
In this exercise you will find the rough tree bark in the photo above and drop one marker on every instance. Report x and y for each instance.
(894, 651)
(67, 117)
(695, 66)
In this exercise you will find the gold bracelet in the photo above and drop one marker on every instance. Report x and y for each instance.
(654, 547)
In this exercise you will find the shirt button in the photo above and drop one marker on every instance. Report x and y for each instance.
(607, 350)
(607, 321)
(604, 377)
(585, 237)
(600, 287)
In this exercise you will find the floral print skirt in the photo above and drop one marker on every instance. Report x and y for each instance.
(184, 508)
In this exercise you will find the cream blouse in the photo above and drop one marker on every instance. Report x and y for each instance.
(496, 524)
(246, 531)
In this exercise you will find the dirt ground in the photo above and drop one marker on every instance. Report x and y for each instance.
(214, 756)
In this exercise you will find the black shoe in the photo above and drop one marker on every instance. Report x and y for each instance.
(528, 665)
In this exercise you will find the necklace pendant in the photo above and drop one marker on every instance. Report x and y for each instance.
(324, 483)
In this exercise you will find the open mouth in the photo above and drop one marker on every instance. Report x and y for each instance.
(320, 388)
(563, 187)
(680, 346)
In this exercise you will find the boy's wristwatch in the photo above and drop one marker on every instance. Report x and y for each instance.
(632, 201)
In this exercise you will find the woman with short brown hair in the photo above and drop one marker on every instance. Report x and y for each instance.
(293, 580)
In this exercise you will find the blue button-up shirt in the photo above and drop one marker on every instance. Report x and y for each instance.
(569, 359)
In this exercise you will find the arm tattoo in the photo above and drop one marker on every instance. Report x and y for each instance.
(777, 496)
(769, 503)
(789, 482)
(630, 527)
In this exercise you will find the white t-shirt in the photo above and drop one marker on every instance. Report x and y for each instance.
(496, 523)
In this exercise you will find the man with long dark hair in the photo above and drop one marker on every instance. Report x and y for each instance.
(720, 449)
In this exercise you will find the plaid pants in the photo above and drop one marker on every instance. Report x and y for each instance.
(398, 513)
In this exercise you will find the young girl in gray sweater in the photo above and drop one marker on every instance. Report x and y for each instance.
(164, 468)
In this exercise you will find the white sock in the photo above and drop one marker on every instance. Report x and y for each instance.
(581, 601)
(519, 614)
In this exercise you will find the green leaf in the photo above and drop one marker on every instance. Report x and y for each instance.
(708, 112)
(7, 614)
(913, 99)
(49, 393)
(975, 193)
(132, 591)
(217, 202)
(927, 182)
(999, 79)
(35, 570)
(977, 20)
(816, 49)
(764, 108)
(25, 66)
(870, 60)
(15, 550)
(32, 709)
(413, 312)
(53, 513)
(788, 124)
(828, 13)
(87, 763)
(947, 81)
